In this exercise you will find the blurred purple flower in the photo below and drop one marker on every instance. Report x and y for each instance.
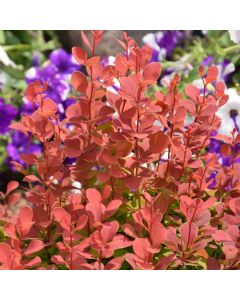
(63, 106)
(36, 59)
(56, 72)
(163, 43)
(58, 88)
(225, 68)
(7, 113)
(20, 143)
(63, 61)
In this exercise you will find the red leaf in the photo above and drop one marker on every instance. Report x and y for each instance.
(32, 263)
(213, 264)
(57, 259)
(200, 71)
(80, 55)
(158, 142)
(212, 74)
(18, 126)
(140, 247)
(28, 158)
(130, 87)
(108, 231)
(26, 214)
(121, 65)
(226, 149)
(25, 217)
(163, 262)
(188, 233)
(79, 82)
(114, 264)
(93, 195)
(221, 236)
(31, 178)
(117, 172)
(99, 93)
(35, 88)
(133, 182)
(152, 71)
(111, 208)
(93, 61)
(82, 222)
(62, 217)
(48, 108)
(192, 92)
(230, 251)
(5, 255)
(106, 192)
(209, 110)
(12, 185)
(94, 211)
(158, 231)
(34, 246)
(73, 147)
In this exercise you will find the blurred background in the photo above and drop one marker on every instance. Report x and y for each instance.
(26, 56)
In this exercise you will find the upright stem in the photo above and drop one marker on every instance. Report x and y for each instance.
(91, 94)
(71, 240)
(184, 156)
(137, 130)
(171, 132)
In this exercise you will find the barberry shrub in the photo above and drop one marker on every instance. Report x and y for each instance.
(123, 180)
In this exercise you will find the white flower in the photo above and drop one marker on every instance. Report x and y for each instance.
(53, 180)
(230, 113)
(225, 70)
(115, 87)
(77, 184)
(235, 36)
(151, 39)
(111, 60)
(5, 59)
(31, 73)
(3, 79)
(76, 187)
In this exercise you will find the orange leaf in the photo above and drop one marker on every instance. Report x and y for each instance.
(79, 82)
(158, 142)
(152, 71)
(80, 55)
(12, 185)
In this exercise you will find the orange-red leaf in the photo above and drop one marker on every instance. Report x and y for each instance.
(79, 82)
(152, 71)
(12, 185)
(80, 55)
(158, 142)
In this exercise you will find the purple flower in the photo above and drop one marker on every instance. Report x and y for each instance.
(212, 180)
(163, 43)
(58, 88)
(28, 108)
(20, 143)
(108, 60)
(225, 68)
(7, 113)
(36, 59)
(56, 72)
(63, 61)
(207, 61)
(63, 106)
